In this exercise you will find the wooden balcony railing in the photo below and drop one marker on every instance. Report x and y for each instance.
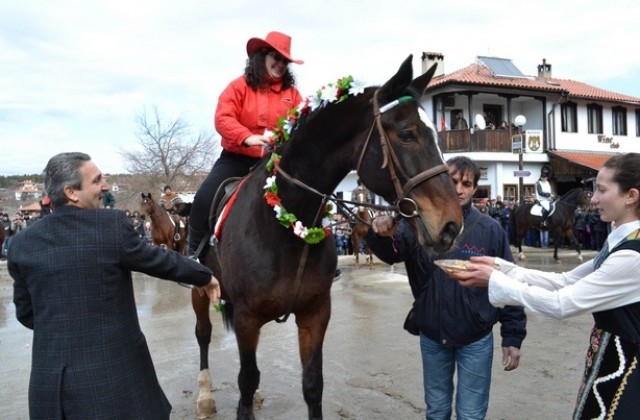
(479, 141)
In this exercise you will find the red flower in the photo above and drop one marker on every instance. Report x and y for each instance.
(271, 198)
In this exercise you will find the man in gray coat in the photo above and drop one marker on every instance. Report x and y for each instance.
(73, 287)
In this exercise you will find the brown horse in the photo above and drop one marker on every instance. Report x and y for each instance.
(268, 272)
(559, 222)
(360, 228)
(167, 230)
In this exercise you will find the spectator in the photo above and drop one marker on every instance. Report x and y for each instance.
(73, 288)
(460, 123)
(455, 325)
(580, 226)
(108, 200)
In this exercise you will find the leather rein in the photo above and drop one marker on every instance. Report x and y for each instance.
(390, 160)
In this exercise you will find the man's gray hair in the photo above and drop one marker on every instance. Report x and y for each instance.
(63, 170)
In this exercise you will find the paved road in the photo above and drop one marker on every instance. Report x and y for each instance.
(372, 368)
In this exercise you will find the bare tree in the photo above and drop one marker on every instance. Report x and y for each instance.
(170, 153)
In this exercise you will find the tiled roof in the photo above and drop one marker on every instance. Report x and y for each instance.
(581, 90)
(593, 160)
(480, 75)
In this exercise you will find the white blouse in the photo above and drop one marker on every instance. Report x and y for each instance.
(582, 290)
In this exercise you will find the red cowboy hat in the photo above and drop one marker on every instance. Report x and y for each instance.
(276, 40)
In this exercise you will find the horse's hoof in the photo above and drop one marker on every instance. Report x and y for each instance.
(205, 404)
(245, 413)
(257, 400)
(206, 408)
(580, 258)
(521, 256)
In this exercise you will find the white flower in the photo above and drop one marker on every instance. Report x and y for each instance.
(288, 125)
(300, 230)
(329, 93)
(357, 87)
(326, 222)
(269, 183)
(278, 209)
(315, 102)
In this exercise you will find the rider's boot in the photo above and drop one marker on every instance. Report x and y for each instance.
(545, 214)
(194, 241)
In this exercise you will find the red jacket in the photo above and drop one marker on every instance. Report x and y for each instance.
(242, 112)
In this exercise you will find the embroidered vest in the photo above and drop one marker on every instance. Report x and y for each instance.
(624, 321)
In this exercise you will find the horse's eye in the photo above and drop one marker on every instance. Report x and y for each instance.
(407, 135)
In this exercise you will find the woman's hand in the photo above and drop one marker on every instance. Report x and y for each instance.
(478, 274)
(257, 140)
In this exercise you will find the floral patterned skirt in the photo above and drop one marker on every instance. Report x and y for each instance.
(611, 383)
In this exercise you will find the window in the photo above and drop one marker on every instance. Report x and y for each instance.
(569, 117)
(619, 121)
(509, 192)
(637, 122)
(594, 113)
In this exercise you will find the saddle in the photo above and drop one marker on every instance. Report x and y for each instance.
(224, 193)
(536, 209)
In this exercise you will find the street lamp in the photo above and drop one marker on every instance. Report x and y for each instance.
(520, 121)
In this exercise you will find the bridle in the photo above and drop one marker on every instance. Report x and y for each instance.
(390, 160)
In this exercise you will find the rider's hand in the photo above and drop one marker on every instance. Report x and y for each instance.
(257, 140)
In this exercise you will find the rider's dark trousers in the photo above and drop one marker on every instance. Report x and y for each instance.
(228, 165)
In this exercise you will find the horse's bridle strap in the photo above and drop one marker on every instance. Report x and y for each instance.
(423, 176)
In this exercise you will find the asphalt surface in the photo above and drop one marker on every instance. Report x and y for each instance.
(372, 367)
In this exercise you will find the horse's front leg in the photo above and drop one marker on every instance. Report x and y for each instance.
(312, 327)
(247, 335)
(205, 404)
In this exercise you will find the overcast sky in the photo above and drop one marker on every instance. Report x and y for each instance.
(75, 74)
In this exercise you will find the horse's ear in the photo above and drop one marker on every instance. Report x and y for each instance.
(420, 83)
(142, 194)
(397, 85)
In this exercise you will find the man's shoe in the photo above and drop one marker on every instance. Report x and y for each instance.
(337, 274)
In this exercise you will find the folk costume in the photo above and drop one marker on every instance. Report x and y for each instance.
(611, 381)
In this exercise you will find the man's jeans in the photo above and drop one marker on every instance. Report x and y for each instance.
(473, 363)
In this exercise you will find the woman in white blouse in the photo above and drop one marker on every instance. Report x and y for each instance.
(607, 286)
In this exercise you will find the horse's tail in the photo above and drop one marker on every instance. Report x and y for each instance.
(227, 316)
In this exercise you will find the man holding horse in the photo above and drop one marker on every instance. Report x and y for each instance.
(73, 288)
(455, 324)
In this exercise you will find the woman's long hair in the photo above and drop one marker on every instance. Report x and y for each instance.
(256, 72)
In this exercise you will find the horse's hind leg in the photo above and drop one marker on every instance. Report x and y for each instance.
(311, 331)
(205, 404)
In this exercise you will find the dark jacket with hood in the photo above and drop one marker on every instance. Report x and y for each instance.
(445, 311)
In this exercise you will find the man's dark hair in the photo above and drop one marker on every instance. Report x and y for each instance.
(63, 170)
(463, 165)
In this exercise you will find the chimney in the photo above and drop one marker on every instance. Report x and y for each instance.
(544, 69)
(431, 58)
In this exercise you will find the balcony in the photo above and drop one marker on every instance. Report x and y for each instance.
(479, 141)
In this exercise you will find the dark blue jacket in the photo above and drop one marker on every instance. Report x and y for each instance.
(445, 311)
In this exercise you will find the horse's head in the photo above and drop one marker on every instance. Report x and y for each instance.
(147, 202)
(404, 142)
